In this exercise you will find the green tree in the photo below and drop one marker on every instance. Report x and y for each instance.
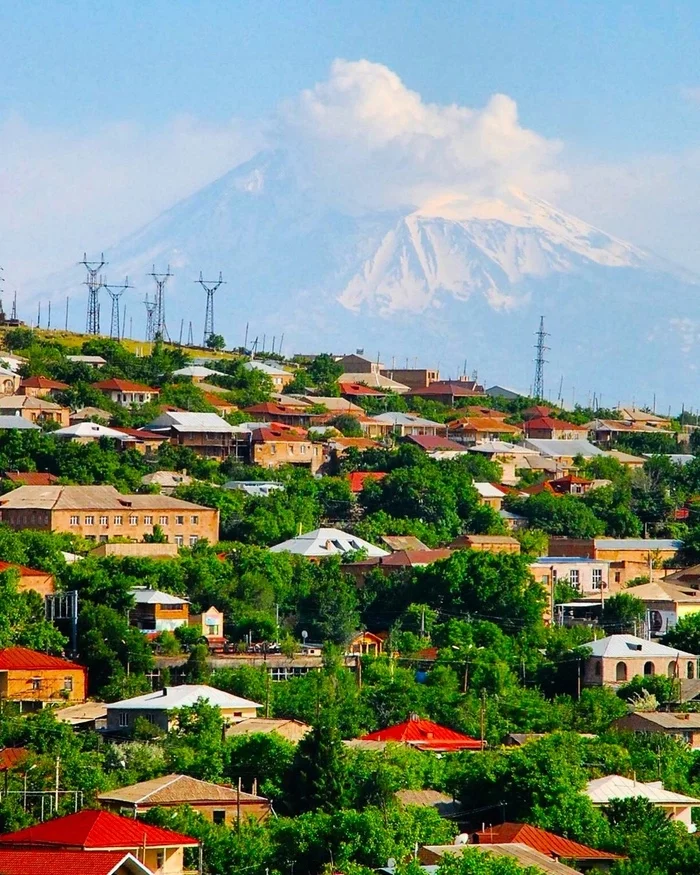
(318, 779)
(622, 613)
(197, 669)
(347, 424)
(685, 635)
(216, 341)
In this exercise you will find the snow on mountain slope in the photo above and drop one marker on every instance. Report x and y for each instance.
(455, 278)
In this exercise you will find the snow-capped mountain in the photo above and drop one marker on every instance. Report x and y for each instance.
(455, 279)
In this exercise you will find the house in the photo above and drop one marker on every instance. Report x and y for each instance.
(581, 857)
(161, 851)
(133, 549)
(360, 363)
(41, 387)
(490, 543)
(167, 481)
(571, 485)
(475, 429)
(30, 478)
(404, 424)
(87, 715)
(350, 391)
(358, 479)
(321, 543)
(339, 444)
(333, 405)
(373, 380)
(279, 377)
(210, 624)
(34, 679)
(99, 513)
(256, 488)
(682, 725)
(403, 542)
(666, 602)
(606, 431)
(34, 410)
(505, 393)
(276, 444)
(448, 392)
(678, 807)
(96, 361)
(9, 381)
(423, 735)
(197, 373)
(515, 852)
(589, 576)
(630, 413)
(548, 428)
(414, 378)
(436, 446)
(127, 393)
(31, 579)
(156, 611)
(628, 557)
(563, 451)
(12, 757)
(615, 660)
(291, 730)
(396, 560)
(89, 414)
(145, 442)
(297, 415)
(221, 405)
(216, 802)
(626, 459)
(490, 494)
(39, 861)
(157, 707)
(207, 434)
(89, 432)
(442, 803)
(365, 644)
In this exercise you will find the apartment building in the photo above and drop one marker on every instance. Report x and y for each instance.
(99, 513)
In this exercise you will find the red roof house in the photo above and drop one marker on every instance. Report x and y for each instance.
(424, 735)
(40, 386)
(540, 840)
(432, 443)
(126, 392)
(33, 679)
(32, 861)
(359, 478)
(358, 390)
(31, 478)
(547, 428)
(11, 757)
(98, 831)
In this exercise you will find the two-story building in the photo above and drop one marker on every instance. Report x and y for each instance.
(207, 434)
(156, 611)
(589, 576)
(126, 393)
(35, 410)
(99, 513)
(404, 424)
(547, 428)
(628, 557)
(32, 679)
(40, 387)
(277, 444)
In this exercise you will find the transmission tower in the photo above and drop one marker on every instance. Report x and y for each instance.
(540, 361)
(13, 314)
(160, 331)
(94, 285)
(115, 293)
(150, 312)
(209, 286)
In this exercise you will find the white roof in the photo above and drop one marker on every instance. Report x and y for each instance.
(619, 646)
(556, 448)
(17, 422)
(601, 790)
(92, 430)
(166, 478)
(197, 371)
(501, 447)
(374, 381)
(180, 697)
(270, 370)
(143, 596)
(394, 418)
(326, 542)
(650, 544)
(254, 487)
(88, 359)
(196, 422)
(488, 490)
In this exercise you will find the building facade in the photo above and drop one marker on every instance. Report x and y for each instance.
(33, 679)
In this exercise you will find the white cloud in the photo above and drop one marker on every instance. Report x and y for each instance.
(368, 141)
(64, 191)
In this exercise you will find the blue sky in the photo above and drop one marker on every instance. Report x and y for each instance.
(106, 107)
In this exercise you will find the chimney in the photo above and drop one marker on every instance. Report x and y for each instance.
(165, 691)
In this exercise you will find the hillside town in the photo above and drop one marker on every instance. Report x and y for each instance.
(310, 613)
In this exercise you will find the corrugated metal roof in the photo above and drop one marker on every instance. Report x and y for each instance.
(19, 422)
(601, 790)
(22, 658)
(424, 734)
(90, 498)
(567, 449)
(542, 841)
(40, 861)
(620, 646)
(523, 854)
(180, 697)
(326, 542)
(637, 544)
(177, 790)
(156, 597)
(394, 418)
(194, 422)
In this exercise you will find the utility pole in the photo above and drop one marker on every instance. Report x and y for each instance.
(209, 286)
(67, 301)
(115, 293)
(160, 331)
(540, 361)
(94, 284)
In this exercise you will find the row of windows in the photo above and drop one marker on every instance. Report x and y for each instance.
(575, 577)
(118, 520)
(290, 449)
(672, 670)
(67, 684)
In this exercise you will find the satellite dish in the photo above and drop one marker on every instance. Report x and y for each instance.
(462, 839)
(304, 634)
(391, 863)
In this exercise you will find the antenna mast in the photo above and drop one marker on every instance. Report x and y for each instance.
(150, 311)
(540, 361)
(94, 285)
(13, 314)
(209, 286)
(160, 331)
(115, 293)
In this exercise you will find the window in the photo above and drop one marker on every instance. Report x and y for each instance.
(89, 520)
(690, 671)
(118, 519)
(160, 859)
(104, 520)
(179, 540)
(193, 540)
(163, 520)
(148, 520)
(194, 520)
(574, 577)
(673, 669)
(75, 520)
(68, 684)
(36, 683)
(123, 718)
(597, 669)
(218, 815)
(621, 671)
(133, 520)
(597, 578)
(273, 449)
(618, 576)
(290, 448)
(302, 449)
(649, 669)
(179, 521)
